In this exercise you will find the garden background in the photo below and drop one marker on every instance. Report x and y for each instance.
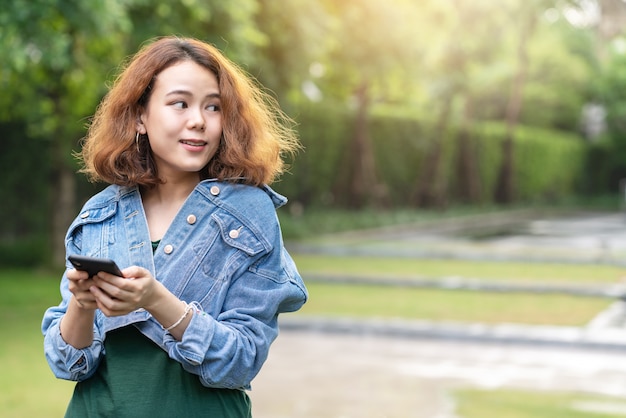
(405, 109)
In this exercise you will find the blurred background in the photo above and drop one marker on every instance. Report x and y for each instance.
(399, 104)
(434, 131)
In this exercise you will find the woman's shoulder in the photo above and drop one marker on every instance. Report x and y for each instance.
(99, 207)
(103, 197)
(256, 204)
(239, 193)
(106, 198)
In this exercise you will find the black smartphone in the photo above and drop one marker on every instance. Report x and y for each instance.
(94, 265)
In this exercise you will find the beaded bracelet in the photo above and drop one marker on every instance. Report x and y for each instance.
(188, 309)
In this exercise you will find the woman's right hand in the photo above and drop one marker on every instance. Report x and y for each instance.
(79, 284)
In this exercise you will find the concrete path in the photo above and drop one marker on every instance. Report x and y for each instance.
(400, 369)
(374, 369)
(582, 238)
(318, 375)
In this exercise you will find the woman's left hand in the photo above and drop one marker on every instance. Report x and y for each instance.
(117, 296)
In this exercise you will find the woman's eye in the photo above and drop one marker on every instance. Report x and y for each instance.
(179, 105)
(213, 108)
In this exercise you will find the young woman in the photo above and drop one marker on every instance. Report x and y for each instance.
(188, 145)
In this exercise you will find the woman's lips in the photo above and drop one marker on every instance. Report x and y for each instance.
(193, 144)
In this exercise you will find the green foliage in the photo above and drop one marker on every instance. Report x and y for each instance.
(548, 163)
(488, 149)
(228, 25)
(295, 40)
(603, 171)
(609, 154)
(554, 97)
(401, 143)
(24, 185)
(55, 54)
(59, 55)
(24, 251)
(324, 131)
(365, 45)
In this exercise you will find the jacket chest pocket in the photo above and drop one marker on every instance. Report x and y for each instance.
(222, 251)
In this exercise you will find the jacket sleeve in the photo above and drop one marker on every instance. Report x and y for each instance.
(229, 350)
(67, 362)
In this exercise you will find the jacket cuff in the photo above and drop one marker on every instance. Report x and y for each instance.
(68, 362)
(195, 344)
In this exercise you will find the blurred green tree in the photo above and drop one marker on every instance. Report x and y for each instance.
(296, 40)
(451, 64)
(55, 54)
(367, 52)
(59, 55)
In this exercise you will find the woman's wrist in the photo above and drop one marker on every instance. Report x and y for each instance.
(172, 313)
(76, 326)
(186, 312)
(80, 307)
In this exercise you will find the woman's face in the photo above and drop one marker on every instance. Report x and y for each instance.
(183, 120)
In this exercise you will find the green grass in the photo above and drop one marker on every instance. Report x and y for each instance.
(381, 267)
(27, 385)
(29, 389)
(445, 305)
(523, 404)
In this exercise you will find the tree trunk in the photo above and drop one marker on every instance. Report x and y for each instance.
(430, 189)
(63, 183)
(470, 188)
(363, 186)
(63, 210)
(505, 189)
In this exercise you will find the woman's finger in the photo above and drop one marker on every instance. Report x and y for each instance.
(110, 306)
(73, 274)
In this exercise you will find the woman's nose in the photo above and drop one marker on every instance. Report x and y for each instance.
(196, 120)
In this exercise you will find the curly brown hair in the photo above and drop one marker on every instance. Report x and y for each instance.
(256, 135)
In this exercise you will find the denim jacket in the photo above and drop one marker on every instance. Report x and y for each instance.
(223, 251)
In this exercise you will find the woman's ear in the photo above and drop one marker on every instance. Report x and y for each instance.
(139, 126)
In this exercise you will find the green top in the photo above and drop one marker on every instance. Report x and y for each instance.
(137, 379)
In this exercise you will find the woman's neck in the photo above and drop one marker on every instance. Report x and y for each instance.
(169, 193)
(162, 203)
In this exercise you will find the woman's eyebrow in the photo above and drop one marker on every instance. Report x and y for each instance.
(188, 93)
(179, 92)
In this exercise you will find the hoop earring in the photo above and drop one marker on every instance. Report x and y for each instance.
(137, 141)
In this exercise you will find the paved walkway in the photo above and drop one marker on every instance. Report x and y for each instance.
(605, 332)
(319, 375)
(322, 368)
(341, 368)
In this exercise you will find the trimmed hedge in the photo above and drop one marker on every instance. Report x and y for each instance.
(548, 164)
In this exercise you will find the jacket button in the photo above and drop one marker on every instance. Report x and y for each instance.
(234, 233)
(84, 215)
(191, 219)
(215, 190)
(168, 249)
